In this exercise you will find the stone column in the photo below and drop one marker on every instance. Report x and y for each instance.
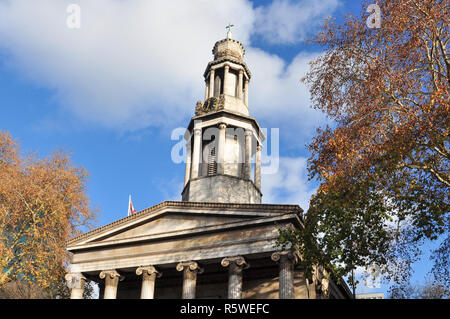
(286, 261)
(112, 278)
(187, 174)
(148, 281)
(236, 265)
(221, 148)
(248, 154)
(206, 90)
(258, 167)
(246, 91)
(196, 152)
(75, 281)
(190, 270)
(211, 82)
(325, 288)
(225, 80)
(240, 79)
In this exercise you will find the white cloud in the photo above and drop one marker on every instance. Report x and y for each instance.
(289, 185)
(287, 21)
(139, 63)
(278, 95)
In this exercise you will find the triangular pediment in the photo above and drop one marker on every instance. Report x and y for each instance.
(170, 224)
(174, 219)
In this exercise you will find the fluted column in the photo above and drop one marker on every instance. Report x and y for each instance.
(149, 275)
(206, 90)
(258, 167)
(239, 85)
(196, 152)
(221, 149)
(187, 174)
(75, 281)
(286, 261)
(190, 270)
(112, 278)
(236, 265)
(248, 154)
(211, 82)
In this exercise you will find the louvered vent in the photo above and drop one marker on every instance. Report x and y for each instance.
(212, 164)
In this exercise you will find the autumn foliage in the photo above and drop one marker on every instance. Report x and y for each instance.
(384, 163)
(43, 203)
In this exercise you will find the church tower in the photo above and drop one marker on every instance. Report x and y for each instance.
(223, 142)
(219, 241)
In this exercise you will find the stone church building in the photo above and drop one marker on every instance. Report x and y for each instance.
(219, 241)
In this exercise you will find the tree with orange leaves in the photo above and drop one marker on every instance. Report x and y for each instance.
(384, 164)
(43, 203)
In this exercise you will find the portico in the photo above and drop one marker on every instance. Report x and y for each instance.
(181, 242)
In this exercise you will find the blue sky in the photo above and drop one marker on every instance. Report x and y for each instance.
(111, 92)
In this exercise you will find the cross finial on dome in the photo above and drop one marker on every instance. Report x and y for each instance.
(229, 35)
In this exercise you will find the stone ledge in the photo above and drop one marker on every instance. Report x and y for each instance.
(222, 189)
(232, 176)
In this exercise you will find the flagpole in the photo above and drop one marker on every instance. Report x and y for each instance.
(129, 205)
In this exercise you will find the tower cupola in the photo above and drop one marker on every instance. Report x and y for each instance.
(227, 77)
(223, 142)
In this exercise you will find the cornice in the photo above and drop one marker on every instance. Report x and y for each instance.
(187, 205)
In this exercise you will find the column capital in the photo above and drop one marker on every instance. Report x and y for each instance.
(222, 126)
(259, 147)
(248, 132)
(236, 265)
(197, 131)
(191, 265)
(237, 260)
(111, 273)
(149, 274)
(149, 270)
(112, 278)
(75, 280)
(283, 255)
(286, 260)
(190, 270)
